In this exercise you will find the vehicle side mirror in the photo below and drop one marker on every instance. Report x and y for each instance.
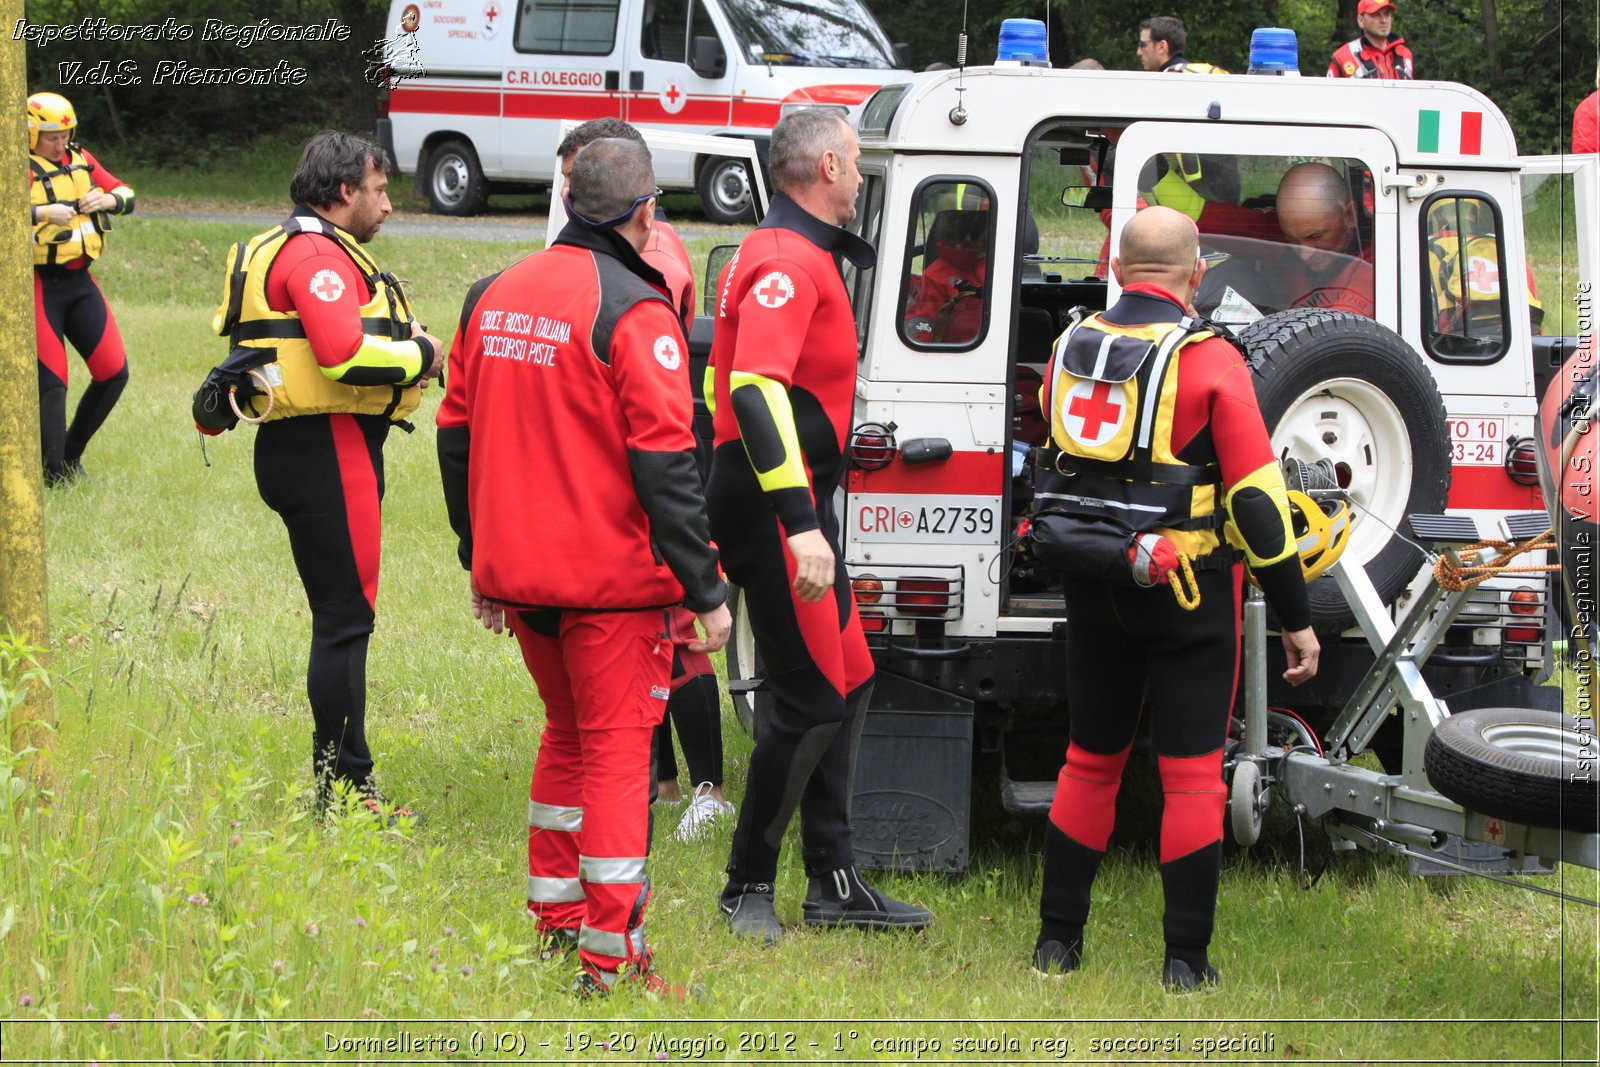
(716, 259)
(1093, 197)
(902, 55)
(708, 58)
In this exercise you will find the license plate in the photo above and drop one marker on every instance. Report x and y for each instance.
(1477, 442)
(917, 519)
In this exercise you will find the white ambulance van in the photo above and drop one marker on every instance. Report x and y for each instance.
(478, 88)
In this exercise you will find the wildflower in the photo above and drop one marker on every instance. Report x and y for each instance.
(434, 967)
(663, 1055)
(466, 971)
(410, 977)
(449, 931)
(235, 823)
(113, 1020)
(360, 921)
(233, 842)
(311, 928)
(25, 1001)
(278, 966)
(434, 951)
(199, 900)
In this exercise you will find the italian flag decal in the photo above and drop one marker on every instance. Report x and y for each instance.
(1455, 133)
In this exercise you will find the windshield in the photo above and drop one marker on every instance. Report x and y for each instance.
(809, 33)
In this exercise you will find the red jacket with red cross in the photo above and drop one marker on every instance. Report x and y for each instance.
(565, 438)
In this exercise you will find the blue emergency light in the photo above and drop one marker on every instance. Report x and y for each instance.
(1274, 50)
(1023, 41)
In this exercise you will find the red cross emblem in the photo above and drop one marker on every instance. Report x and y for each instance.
(491, 13)
(672, 97)
(1092, 403)
(1483, 275)
(775, 290)
(327, 285)
(491, 19)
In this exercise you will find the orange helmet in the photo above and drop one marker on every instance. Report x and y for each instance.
(47, 113)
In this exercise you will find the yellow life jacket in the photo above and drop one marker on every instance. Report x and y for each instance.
(64, 183)
(1467, 286)
(297, 383)
(1110, 399)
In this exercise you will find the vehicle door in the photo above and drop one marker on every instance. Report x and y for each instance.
(566, 63)
(679, 71)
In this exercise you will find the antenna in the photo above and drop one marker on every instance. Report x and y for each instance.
(958, 114)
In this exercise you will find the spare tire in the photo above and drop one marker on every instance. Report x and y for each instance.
(1338, 386)
(1532, 767)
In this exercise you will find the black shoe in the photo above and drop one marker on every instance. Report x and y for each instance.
(841, 898)
(557, 943)
(1178, 977)
(71, 471)
(1057, 957)
(750, 911)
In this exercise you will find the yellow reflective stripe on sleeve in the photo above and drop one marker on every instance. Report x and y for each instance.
(1268, 478)
(381, 352)
(708, 389)
(791, 472)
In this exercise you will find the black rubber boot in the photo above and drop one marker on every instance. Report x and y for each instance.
(1189, 884)
(1180, 976)
(1069, 871)
(750, 911)
(842, 898)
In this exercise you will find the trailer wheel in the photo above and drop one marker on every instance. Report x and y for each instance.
(1342, 387)
(1533, 767)
(744, 663)
(454, 182)
(725, 191)
(1244, 803)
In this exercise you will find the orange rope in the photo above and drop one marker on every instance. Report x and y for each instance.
(1454, 577)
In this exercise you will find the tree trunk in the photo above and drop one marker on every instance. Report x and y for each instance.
(24, 605)
(1491, 42)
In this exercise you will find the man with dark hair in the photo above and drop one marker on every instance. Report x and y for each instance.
(695, 707)
(1375, 54)
(569, 400)
(1181, 467)
(784, 359)
(1162, 40)
(350, 361)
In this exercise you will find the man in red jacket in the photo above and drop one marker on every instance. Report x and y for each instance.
(569, 477)
(1374, 54)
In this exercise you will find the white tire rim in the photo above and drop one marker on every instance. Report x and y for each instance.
(1356, 425)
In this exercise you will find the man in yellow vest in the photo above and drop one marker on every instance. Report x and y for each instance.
(71, 198)
(350, 362)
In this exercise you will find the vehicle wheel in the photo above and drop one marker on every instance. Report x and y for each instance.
(725, 192)
(1341, 387)
(1532, 767)
(454, 182)
(744, 662)
(1244, 803)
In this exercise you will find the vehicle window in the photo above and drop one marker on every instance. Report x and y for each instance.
(1550, 227)
(569, 27)
(1465, 298)
(867, 224)
(809, 33)
(670, 27)
(1069, 212)
(945, 301)
(1278, 231)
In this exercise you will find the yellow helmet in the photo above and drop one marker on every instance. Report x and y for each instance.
(48, 112)
(1321, 530)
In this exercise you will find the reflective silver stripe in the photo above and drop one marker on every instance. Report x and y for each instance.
(554, 890)
(1101, 357)
(608, 870)
(1157, 372)
(554, 817)
(624, 946)
(1099, 502)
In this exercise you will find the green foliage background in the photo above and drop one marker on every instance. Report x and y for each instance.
(1535, 58)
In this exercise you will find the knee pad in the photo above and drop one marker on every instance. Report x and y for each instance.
(1085, 805)
(1195, 801)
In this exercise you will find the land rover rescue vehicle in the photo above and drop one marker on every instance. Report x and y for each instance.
(1020, 178)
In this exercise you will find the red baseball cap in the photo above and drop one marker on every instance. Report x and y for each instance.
(1372, 7)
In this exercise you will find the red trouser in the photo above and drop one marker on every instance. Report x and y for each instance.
(604, 678)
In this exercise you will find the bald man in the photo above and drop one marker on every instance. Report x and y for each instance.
(1126, 488)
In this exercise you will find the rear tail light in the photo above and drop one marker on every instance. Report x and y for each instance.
(871, 446)
(868, 589)
(924, 596)
(1521, 463)
(1523, 601)
(873, 624)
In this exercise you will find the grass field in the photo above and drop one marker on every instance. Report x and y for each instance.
(171, 899)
